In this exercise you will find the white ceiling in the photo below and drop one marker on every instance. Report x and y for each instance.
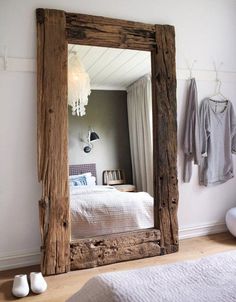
(112, 68)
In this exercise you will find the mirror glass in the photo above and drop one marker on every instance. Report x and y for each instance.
(110, 140)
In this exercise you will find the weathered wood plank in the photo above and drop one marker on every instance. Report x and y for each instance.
(75, 18)
(52, 141)
(165, 138)
(100, 31)
(92, 252)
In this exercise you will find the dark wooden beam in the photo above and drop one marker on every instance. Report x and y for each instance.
(165, 137)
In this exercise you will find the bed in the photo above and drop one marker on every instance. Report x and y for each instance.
(210, 279)
(100, 210)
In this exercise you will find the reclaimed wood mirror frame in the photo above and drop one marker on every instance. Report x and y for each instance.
(55, 29)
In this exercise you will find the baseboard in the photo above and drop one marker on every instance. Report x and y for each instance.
(19, 259)
(27, 258)
(202, 230)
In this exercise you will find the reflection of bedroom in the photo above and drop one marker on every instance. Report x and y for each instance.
(106, 113)
(114, 91)
(110, 140)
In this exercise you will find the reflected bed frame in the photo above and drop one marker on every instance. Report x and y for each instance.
(55, 29)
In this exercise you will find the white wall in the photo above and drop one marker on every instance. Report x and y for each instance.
(205, 30)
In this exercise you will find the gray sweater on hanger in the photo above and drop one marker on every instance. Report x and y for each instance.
(218, 141)
(191, 135)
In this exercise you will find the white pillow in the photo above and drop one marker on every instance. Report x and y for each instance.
(91, 181)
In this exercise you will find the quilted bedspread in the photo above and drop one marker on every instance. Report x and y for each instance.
(210, 279)
(101, 210)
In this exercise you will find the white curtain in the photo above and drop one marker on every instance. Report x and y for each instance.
(139, 104)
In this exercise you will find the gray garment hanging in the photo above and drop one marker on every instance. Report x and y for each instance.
(218, 141)
(191, 135)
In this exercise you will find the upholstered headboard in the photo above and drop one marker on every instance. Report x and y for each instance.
(84, 168)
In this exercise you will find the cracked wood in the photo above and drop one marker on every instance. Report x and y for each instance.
(92, 252)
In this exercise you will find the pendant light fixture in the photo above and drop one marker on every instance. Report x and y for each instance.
(78, 85)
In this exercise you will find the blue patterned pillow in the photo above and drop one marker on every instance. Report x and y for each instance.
(78, 180)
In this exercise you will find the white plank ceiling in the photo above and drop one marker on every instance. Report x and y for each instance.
(112, 68)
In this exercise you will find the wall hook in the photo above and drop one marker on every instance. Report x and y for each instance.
(190, 68)
(217, 69)
(217, 79)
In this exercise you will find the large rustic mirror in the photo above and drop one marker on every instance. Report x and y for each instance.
(60, 33)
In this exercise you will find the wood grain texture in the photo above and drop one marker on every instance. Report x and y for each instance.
(52, 141)
(165, 138)
(107, 32)
(54, 30)
(92, 252)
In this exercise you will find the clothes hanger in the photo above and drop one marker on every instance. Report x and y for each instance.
(218, 96)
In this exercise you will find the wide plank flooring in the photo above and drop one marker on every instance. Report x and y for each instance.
(62, 286)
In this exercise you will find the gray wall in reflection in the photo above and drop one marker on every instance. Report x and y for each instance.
(106, 113)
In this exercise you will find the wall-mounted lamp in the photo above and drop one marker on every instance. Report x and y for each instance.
(92, 136)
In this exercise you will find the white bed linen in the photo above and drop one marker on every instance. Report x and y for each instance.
(210, 279)
(101, 210)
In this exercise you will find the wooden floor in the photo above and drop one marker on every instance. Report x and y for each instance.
(61, 287)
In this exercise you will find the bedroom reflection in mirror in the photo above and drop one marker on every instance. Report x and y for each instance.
(110, 140)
